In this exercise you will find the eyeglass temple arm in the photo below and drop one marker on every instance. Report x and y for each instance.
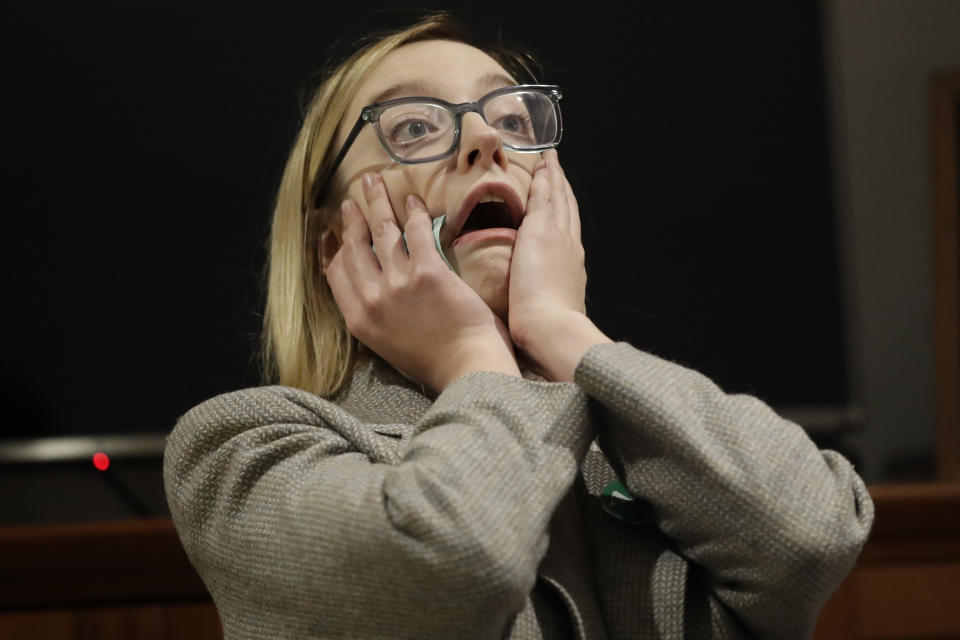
(320, 187)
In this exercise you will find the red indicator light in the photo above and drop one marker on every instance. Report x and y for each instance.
(101, 461)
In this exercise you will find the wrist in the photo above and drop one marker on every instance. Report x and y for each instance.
(494, 357)
(560, 342)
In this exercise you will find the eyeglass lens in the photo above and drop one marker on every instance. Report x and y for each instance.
(525, 120)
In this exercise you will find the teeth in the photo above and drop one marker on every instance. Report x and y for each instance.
(490, 199)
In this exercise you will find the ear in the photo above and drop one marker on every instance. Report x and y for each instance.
(329, 245)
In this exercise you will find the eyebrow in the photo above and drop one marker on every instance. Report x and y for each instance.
(416, 88)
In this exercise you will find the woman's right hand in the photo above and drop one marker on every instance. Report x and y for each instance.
(410, 308)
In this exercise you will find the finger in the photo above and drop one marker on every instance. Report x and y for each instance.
(558, 191)
(354, 226)
(419, 230)
(357, 257)
(539, 198)
(574, 211)
(341, 286)
(382, 222)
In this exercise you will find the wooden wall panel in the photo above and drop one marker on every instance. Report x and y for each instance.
(945, 252)
(906, 585)
(195, 620)
(132, 580)
(909, 602)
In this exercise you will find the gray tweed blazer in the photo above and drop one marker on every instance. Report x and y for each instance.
(493, 510)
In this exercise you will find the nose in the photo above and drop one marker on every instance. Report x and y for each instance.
(479, 144)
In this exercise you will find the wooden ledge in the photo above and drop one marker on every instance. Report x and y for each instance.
(91, 563)
(915, 523)
(143, 560)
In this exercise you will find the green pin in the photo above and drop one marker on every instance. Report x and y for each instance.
(618, 503)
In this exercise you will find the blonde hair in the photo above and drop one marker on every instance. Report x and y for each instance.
(305, 342)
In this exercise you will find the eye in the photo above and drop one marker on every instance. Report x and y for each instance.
(409, 130)
(511, 124)
(517, 125)
(414, 124)
(416, 129)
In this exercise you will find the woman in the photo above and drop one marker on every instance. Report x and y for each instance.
(488, 463)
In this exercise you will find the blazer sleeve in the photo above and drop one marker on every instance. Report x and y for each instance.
(303, 522)
(776, 523)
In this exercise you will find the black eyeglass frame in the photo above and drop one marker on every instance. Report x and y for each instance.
(371, 114)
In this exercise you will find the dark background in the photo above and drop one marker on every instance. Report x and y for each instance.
(143, 146)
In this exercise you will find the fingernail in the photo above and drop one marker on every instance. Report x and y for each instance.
(345, 206)
(368, 180)
(412, 202)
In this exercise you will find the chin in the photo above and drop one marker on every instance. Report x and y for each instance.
(490, 278)
(498, 301)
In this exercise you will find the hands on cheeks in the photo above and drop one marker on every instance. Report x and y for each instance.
(428, 323)
(410, 308)
(548, 278)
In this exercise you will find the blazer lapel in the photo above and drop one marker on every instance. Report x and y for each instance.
(392, 404)
(567, 568)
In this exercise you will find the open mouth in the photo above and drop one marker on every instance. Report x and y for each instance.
(493, 207)
(492, 212)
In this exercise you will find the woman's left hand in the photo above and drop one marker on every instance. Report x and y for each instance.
(548, 280)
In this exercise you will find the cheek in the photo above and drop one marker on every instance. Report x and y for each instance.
(401, 182)
(435, 194)
(426, 181)
(489, 264)
(523, 172)
(528, 161)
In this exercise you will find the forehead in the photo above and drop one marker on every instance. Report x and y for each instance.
(443, 69)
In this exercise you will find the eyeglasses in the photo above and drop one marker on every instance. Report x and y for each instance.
(418, 130)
